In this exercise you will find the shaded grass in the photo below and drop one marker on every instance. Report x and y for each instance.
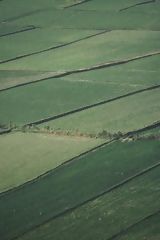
(107, 215)
(72, 184)
(147, 229)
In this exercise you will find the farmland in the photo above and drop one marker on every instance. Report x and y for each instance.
(148, 227)
(87, 88)
(120, 115)
(105, 213)
(76, 177)
(49, 151)
(107, 48)
(79, 120)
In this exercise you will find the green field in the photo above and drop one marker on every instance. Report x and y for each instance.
(53, 194)
(109, 5)
(147, 229)
(110, 213)
(11, 29)
(12, 10)
(38, 40)
(79, 119)
(107, 47)
(37, 154)
(143, 72)
(12, 78)
(111, 20)
(48, 98)
(123, 115)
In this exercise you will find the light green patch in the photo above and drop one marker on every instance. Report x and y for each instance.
(25, 156)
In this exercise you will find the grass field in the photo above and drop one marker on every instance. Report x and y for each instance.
(37, 154)
(147, 229)
(107, 47)
(79, 119)
(11, 29)
(110, 213)
(29, 42)
(112, 20)
(143, 72)
(123, 115)
(12, 78)
(12, 10)
(113, 5)
(72, 184)
(48, 98)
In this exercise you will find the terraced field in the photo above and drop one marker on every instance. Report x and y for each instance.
(79, 120)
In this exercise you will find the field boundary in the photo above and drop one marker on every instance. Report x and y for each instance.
(133, 225)
(4, 131)
(30, 28)
(138, 4)
(78, 3)
(80, 70)
(114, 187)
(44, 120)
(12, 19)
(78, 157)
(51, 171)
(52, 48)
(148, 127)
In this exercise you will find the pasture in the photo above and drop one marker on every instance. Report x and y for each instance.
(72, 184)
(37, 154)
(79, 119)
